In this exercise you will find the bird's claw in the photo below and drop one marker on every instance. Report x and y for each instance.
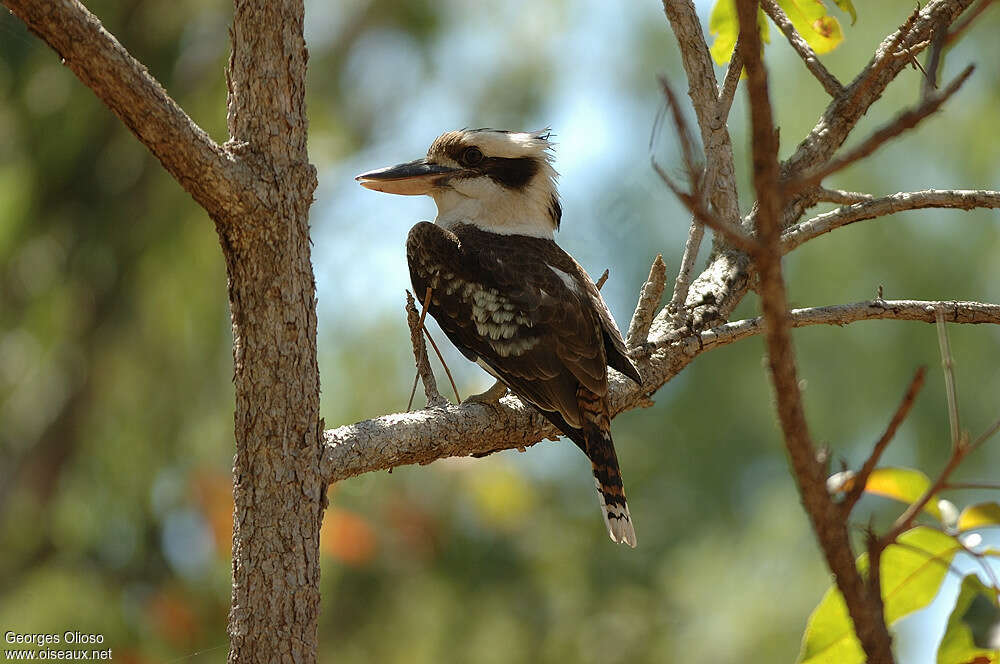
(490, 397)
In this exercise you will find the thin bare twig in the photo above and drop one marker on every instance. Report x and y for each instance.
(444, 364)
(843, 314)
(682, 284)
(861, 479)
(938, 40)
(829, 82)
(415, 321)
(905, 520)
(902, 122)
(729, 84)
(682, 130)
(884, 55)
(696, 233)
(871, 208)
(840, 196)
(949, 379)
(968, 19)
(729, 232)
(649, 300)
(986, 435)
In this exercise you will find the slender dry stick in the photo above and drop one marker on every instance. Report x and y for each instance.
(983, 565)
(905, 520)
(424, 373)
(729, 232)
(968, 19)
(933, 67)
(949, 380)
(829, 82)
(444, 364)
(986, 435)
(649, 300)
(696, 201)
(696, 233)
(680, 128)
(861, 479)
(906, 120)
(884, 56)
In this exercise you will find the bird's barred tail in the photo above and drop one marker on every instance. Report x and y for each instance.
(607, 474)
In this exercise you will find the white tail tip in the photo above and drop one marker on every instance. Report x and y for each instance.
(619, 522)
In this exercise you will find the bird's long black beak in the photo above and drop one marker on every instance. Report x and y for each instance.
(409, 179)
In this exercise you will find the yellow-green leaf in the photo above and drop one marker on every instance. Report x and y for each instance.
(814, 24)
(724, 26)
(979, 516)
(848, 6)
(903, 484)
(959, 644)
(911, 575)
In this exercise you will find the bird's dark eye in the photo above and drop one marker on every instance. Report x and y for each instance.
(472, 156)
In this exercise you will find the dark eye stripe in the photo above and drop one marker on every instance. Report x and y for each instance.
(511, 172)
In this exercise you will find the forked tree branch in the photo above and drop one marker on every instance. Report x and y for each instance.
(873, 208)
(904, 121)
(213, 178)
(704, 94)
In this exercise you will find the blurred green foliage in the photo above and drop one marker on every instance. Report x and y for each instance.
(115, 361)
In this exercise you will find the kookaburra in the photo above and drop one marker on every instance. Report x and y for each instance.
(508, 296)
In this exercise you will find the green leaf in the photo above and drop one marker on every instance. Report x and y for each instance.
(814, 24)
(903, 484)
(724, 25)
(960, 645)
(911, 574)
(980, 515)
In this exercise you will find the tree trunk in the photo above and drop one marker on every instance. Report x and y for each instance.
(279, 493)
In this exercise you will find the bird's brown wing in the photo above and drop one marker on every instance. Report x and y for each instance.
(501, 303)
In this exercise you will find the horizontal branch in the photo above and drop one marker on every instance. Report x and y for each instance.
(426, 435)
(842, 314)
(201, 166)
(962, 199)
